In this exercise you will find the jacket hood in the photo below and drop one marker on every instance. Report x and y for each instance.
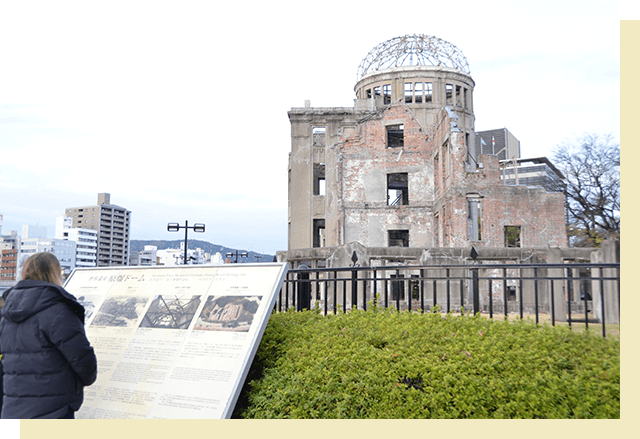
(29, 297)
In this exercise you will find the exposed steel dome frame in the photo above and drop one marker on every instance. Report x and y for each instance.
(413, 50)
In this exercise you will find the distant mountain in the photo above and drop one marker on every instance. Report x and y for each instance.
(137, 245)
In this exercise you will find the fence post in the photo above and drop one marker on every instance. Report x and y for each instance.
(475, 287)
(354, 290)
(304, 290)
(476, 290)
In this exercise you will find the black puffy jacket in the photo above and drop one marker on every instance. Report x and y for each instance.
(46, 357)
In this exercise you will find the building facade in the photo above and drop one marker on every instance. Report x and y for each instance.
(147, 257)
(86, 241)
(8, 265)
(173, 256)
(401, 168)
(538, 171)
(64, 250)
(112, 224)
(9, 250)
(498, 142)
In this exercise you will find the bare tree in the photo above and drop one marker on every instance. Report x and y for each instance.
(591, 167)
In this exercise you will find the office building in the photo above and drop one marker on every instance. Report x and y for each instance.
(498, 142)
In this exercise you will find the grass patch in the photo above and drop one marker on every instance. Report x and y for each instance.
(383, 364)
(578, 324)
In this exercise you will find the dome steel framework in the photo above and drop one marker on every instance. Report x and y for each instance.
(413, 50)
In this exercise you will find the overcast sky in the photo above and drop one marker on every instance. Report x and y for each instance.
(179, 109)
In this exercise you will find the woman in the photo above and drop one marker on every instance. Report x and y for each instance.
(46, 357)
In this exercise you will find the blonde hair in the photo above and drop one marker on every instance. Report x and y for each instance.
(42, 266)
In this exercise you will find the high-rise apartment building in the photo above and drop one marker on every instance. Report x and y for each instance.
(112, 224)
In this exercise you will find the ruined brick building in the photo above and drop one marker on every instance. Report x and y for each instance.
(401, 172)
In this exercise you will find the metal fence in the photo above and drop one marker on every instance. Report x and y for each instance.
(572, 293)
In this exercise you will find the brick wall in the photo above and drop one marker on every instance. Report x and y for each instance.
(439, 182)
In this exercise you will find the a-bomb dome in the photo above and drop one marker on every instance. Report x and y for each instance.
(413, 50)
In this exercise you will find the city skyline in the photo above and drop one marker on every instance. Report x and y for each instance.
(181, 117)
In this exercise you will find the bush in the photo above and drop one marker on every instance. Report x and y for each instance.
(388, 364)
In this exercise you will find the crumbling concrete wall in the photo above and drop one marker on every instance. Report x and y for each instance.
(539, 215)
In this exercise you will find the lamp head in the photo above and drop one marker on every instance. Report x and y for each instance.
(198, 228)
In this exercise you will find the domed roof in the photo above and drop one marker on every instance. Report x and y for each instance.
(413, 50)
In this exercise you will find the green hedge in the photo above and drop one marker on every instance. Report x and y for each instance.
(387, 364)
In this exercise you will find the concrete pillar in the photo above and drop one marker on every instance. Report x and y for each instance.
(559, 301)
(609, 252)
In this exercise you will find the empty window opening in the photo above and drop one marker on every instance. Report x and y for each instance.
(512, 236)
(368, 93)
(376, 91)
(397, 286)
(445, 227)
(449, 94)
(319, 135)
(466, 98)
(428, 92)
(474, 219)
(318, 233)
(570, 285)
(417, 88)
(395, 136)
(319, 183)
(468, 151)
(398, 238)
(436, 230)
(511, 292)
(398, 189)
(446, 161)
(436, 168)
(386, 92)
(414, 287)
(459, 96)
(408, 92)
(585, 284)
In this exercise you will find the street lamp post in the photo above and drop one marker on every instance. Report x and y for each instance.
(174, 227)
(237, 253)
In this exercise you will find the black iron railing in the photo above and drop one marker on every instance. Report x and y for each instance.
(572, 293)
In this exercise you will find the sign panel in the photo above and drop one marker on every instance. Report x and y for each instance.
(173, 342)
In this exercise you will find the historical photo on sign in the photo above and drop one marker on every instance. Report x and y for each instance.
(122, 311)
(228, 313)
(171, 311)
(89, 307)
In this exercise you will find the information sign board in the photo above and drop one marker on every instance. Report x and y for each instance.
(173, 342)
